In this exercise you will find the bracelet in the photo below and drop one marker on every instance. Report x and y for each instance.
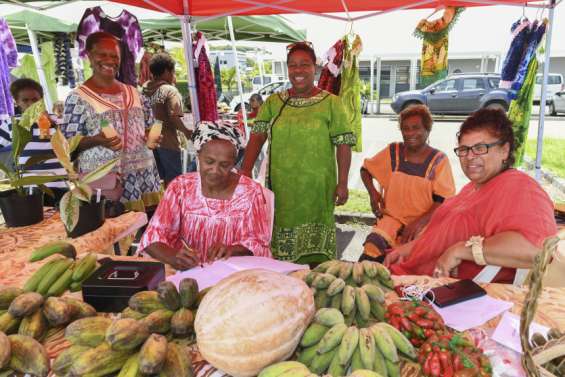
(476, 244)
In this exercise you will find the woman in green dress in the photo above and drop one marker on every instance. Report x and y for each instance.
(307, 130)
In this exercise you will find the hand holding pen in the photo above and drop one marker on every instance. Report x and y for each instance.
(186, 258)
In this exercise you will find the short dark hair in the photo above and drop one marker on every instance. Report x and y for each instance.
(160, 63)
(24, 83)
(302, 46)
(496, 123)
(257, 97)
(97, 37)
(417, 110)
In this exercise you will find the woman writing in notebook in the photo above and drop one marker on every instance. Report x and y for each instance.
(211, 214)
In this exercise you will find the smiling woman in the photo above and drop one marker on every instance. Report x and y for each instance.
(103, 101)
(308, 131)
(499, 219)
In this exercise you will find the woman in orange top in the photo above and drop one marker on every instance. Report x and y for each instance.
(415, 178)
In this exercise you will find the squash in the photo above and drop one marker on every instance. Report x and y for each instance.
(252, 319)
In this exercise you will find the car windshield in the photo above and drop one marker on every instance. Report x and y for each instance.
(551, 79)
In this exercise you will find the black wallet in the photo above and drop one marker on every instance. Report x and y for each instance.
(454, 293)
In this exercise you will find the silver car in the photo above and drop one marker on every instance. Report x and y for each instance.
(558, 104)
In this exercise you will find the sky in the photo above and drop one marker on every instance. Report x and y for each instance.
(481, 29)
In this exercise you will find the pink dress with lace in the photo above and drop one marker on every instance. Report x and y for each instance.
(186, 214)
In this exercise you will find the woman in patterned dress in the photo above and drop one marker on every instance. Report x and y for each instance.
(308, 132)
(103, 99)
(214, 213)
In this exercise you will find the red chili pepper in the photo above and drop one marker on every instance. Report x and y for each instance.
(457, 363)
(395, 322)
(427, 365)
(435, 366)
(419, 332)
(426, 348)
(395, 310)
(425, 323)
(406, 324)
(420, 310)
(446, 365)
(428, 333)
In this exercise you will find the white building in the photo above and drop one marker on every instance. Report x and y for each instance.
(227, 59)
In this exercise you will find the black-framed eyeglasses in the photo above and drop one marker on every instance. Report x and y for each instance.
(477, 149)
(301, 43)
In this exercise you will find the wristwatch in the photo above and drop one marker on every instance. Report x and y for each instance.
(476, 244)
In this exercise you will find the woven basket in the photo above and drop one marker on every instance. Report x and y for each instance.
(533, 358)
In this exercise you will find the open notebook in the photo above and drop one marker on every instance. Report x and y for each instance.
(212, 273)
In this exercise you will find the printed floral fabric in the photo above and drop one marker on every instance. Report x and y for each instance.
(8, 59)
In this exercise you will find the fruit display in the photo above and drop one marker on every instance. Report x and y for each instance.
(417, 320)
(357, 289)
(555, 365)
(61, 273)
(297, 369)
(252, 319)
(21, 353)
(452, 355)
(166, 310)
(101, 346)
(330, 347)
(30, 314)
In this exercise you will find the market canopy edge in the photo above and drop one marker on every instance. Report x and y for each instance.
(207, 8)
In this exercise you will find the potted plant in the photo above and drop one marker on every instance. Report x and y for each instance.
(81, 212)
(23, 204)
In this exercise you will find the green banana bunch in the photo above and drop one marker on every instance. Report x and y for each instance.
(56, 247)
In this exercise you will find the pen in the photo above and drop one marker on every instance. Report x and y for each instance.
(189, 248)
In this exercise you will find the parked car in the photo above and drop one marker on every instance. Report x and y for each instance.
(554, 84)
(558, 104)
(267, 79)
(456, 94)
(265, 92)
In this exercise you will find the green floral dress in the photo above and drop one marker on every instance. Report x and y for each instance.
(303, 133)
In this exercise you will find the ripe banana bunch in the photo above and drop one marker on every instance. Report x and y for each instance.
(357, 289)
(61, 274)
(23, 354)
(167, 311)
(30, 314)
(297, 369)
(124, 347)
(330, 346)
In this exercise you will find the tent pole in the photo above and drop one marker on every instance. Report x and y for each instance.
(187, 45)
(261, 67)
(237, 74)
(378, 79)
(40, 72)
(543, 98)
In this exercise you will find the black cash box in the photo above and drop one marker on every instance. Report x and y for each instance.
(109, 288)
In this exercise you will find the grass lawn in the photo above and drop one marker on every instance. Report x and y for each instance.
(358, 202)
(553, 157)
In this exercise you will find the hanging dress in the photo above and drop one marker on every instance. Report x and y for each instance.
(205, 86)
(330, 77)
(8, 59)
(125, 28)
(435, 36)
(350, 90)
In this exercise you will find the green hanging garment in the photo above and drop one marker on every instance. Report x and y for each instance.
(28, 69)
(435, 36)
(521, 110)
(350, 89)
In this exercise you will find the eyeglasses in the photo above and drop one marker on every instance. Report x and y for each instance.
(477, 149)
(301, 43)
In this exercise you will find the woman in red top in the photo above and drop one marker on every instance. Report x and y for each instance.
(498, 219)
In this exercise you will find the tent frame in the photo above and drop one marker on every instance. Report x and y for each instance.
(283, 5)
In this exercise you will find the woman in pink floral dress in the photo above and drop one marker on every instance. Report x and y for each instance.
(211, 214)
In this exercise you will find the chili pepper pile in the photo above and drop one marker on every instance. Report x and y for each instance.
(451, 355)
(417, 320)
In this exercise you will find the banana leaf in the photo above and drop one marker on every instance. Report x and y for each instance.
(31, 115)
(62, 150)
(37, 180)
(69, 207)
(100, 172)
(38, 159)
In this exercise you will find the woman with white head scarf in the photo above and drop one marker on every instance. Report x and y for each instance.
(211, 214)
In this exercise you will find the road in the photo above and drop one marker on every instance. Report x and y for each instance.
(378, 132)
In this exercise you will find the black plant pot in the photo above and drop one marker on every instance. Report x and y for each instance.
(22, 210)
(91, 217)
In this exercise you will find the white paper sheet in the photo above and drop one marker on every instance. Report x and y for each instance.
(507, 332)
(211, 274)
(472, 313)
